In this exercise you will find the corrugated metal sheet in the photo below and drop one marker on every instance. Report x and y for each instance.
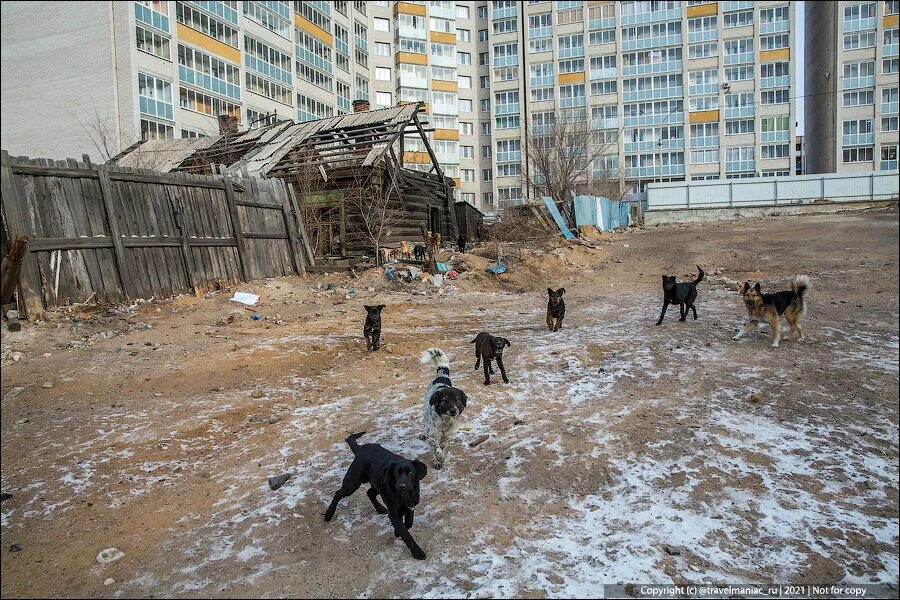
(163, 155)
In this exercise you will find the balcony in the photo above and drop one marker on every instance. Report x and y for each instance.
(650, 68)
(649, 17)
(672, 118)
(740, 58)
(738, 112)
(853, 83)
(654, 171)
(857, 139)
(736, 166)
(706, 141)
(150, 17)
(642, 43)
(703, 88)
(653, 94)
(742, 5)
(202, 80)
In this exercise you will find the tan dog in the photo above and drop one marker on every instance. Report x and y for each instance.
(770, 307)
(406, 250)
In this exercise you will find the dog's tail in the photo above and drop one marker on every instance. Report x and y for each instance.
(700, 276)
(351, 441)
(436, 357)
(800, 286)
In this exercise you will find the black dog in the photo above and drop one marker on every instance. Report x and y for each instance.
(682, 294)
(372, 328)
(419, 252)
(556, 309)
(393, 478)
(461, 243)
(488, 348)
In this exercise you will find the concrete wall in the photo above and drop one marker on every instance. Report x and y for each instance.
(821, 83)
(57, 60)
(704, 215)
(773, 191)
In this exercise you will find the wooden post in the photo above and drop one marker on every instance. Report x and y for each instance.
(178, 214)
(12, 266)
(301, 225)
(113, 224)
(29, 277)
(290, 225)
(236, 226)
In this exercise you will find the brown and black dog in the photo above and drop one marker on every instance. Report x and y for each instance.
(770, 307)
(487, 348)
(556, 309)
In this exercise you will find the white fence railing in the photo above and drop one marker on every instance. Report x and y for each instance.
(772, 191)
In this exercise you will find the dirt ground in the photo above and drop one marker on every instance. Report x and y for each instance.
(619, 452)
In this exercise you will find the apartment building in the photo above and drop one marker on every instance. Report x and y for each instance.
(674, 90)
(851, 83)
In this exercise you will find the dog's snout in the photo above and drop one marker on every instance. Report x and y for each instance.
(453, 412)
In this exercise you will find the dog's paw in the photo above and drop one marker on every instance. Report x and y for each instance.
(437, 465)
(737, 337)
(418, 553)
(505, 380)
(774, 344)
(487, 383)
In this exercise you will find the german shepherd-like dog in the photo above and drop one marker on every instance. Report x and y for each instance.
(770, 307)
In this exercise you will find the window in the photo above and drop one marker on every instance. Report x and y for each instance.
(465, 105)
(775, 96)
(153, 130)
(860, 154)
(383, 99)
(486, 128)
(382, 24)
(855, 41)
(483, 59)
(703, 29)
(152, 43)
(310, 109)
(208, 105)
(739, 73)
(704, 156)
(774, 42)
(505, 55)
(859, 98)
(467, 152)
(443, 55)
(508, 122)
(462, 11)
(700, 103)
(487, 199)
(575, 65)
(487, 175)
(858, 75)
(738, 159)
(890, 124)
(738, 19)
(382, 49)
(604, 36)
(599, 88)
(739, 51)
(739, 126)
(774, 20)
(566, 17)
(269, 89)
(889, 100)
(444, 74)
(487, 151)
(572, 95)
(889, 157)
(382, 74)
(482, 35)
(464, 82)
(571, 46)
(484, 82)
(858, 17)
(463, 35)
(704, 50)
(155, 96)
(463, 58)
(467, 175)
(703, 82)
(362, 88)
(485, 105)
(891, 7)
(509, 196)
(466, 128)
(890, 66)
(541, 94)
(776, 151)
(506, 26)
(200, 21)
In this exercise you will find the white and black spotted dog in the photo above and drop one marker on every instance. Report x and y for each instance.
(443, 406)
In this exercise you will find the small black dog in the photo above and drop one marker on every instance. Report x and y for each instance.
(392, 477)
(372, 328)
(488, 348)
(461, 243)
(682, 294)
(556, 309)
(419, 252)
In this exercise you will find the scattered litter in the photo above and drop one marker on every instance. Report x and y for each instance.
(278, 481)
(329, 287)
(109, 581)
(15, 548)
(48, 385)
(624, 245)
(351, 293)
(257, 419)
(245, 298)
(452, 274)
(46, 355)
(257, 394)
(442, 267)
(5, 496)
(671, 550)
(11, 394)
(436, 280)
(754, 398)
(109, 555)
(256, 316)
(497, 269)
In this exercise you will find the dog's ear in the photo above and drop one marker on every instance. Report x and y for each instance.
(561, 291)
(421, 469)
(435, 398)
(387, 473)
(550, 291)
(757, 287)
(367, 307)
(463, 397)
(380, 307)
(505, 341)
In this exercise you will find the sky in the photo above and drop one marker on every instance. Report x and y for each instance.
(799, 21)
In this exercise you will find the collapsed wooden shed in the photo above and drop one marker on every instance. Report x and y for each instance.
(347, 173)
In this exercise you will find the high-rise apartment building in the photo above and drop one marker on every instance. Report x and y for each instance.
(851, 86)
(673, 90)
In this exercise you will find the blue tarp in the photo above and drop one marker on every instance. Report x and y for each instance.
(560, 222)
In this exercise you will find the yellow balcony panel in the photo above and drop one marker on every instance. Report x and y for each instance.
(446, 134)
(456, 182)
(703, 10)
(891, 21)
(412, 58)
(443, 38)
(566, 78)
(444, 86)
(409, 9)
(416, 157)
(204, 42)
(770, 55)
(313, 29)
(703, 116)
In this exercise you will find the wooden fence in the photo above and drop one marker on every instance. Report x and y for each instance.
(113, 234)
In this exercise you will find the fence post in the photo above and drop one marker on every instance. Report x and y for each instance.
(872, 186)
(822, 194)
(236, 225)
(29, 276)
(731, 194)
(113, 224)
(290, 225)
(178, 213)
(775, 183)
